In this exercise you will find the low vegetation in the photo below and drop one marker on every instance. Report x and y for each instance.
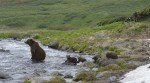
(84, 39)
(56, 80)
(86, 76)
(27, 81)
(114, 67)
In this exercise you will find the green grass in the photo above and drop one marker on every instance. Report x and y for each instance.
(27, 81)
(62, 14)
(114, 67)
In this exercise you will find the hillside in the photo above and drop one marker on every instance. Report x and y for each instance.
(64, 14)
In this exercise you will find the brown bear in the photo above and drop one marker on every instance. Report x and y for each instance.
(71, 60)
(38, 54)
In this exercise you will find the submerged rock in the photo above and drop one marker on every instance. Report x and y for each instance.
(3, 50)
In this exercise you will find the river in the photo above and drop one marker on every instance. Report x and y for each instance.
(17, 63)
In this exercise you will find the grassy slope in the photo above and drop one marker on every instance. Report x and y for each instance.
(53, 14)
(58, 14)
(83, 39)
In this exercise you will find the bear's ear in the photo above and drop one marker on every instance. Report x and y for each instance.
(31, 41)
(68, 56)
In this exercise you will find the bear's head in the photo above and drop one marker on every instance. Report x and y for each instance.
(68, 56)
(30, 42)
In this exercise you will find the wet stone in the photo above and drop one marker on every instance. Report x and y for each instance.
(56, 73)
(68, 75)
(3, 50)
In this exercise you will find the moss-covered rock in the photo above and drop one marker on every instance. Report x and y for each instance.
(87, 76)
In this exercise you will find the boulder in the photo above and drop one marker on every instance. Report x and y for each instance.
(54, 45)
(64, 48)
(111, 55)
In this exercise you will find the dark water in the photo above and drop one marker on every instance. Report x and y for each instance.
(17, 62)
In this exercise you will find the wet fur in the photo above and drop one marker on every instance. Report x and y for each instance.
(38, 54)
